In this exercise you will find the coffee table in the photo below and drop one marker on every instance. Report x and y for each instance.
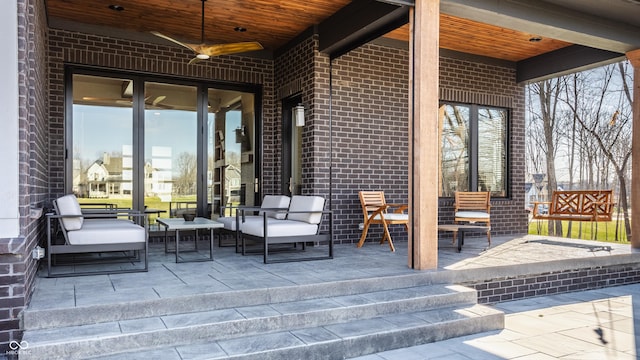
(177, 225)
(461, 229)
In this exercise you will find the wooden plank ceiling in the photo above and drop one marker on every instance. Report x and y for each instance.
(274, 23)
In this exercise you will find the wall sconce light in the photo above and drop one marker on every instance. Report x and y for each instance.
(298, 115)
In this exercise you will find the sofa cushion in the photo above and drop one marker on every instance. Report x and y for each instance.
(279, 228)
(275, 202)
(306, 203)
(229, 222)
(107, 231)
(68, 205)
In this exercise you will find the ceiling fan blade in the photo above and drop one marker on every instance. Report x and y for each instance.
(194, 60)
(226, 49)
(92, 98)
(188, 46)
(157, 100)
(107, 100)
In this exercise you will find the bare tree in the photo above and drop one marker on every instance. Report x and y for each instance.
(547, 93)
(534, 141)
(604, 112)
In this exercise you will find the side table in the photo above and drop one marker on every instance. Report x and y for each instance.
(461, 229)
(177, 225)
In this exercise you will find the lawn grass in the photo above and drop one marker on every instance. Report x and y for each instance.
(150, 202)
(606, 231)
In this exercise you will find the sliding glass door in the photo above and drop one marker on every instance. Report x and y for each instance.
(231, 123)
(168, 147)
(102, 133)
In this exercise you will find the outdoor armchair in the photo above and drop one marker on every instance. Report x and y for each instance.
(473, 207)
(375, 211)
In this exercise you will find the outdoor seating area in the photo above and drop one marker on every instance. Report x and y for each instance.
(100, 236)
(108, 231)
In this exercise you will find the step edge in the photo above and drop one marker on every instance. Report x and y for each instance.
(100, 313)
(413, 304)
(324, 349)
(66, 349)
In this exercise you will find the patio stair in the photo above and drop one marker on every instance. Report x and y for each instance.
(316, 321)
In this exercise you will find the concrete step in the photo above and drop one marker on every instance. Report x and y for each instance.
(409, 309)
(129, 304)
(337, 341)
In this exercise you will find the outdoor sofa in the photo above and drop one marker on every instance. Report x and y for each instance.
(118, 231)
(299, 224)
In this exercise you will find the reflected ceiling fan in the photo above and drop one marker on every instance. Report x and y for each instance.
(126, 98)
(205, 51)
(150, 101)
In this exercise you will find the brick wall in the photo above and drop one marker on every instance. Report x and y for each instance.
(526, 286)
(294, 75)
(17, 267)
(370, 132)
(66, 47)
(485, 84)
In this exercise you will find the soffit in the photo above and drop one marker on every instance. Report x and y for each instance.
(493, 28)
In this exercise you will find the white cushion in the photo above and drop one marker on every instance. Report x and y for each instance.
(229, 222)
(472, 214)
(251, 220)
(106, 221)
(393, 217)
(306, 203)
(68, 205)
(107, 231)
(278, 228)
(275, 202)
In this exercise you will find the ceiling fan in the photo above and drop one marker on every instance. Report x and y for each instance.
(205, 51)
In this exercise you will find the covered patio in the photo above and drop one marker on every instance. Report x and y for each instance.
(368, 74)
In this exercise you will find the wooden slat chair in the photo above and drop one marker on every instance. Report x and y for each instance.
(473, 207)
(374, 209)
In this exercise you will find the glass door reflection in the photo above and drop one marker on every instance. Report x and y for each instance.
(170, 148)
(102, 134)
(231, 129)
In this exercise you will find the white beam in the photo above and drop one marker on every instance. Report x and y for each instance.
(9, 188)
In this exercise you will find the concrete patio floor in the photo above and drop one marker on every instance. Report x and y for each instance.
(588, 325)
(531, 324)
(230, 271)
